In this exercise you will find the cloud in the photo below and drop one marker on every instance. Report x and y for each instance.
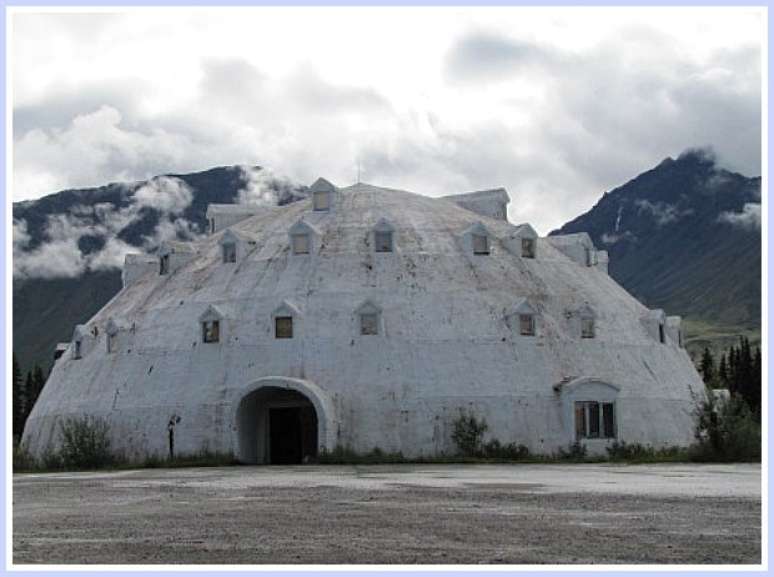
(749, 218)
(486, 56)
(262, 186)
(165, 194)
(662, 212)
(557, 109)
(60, 253)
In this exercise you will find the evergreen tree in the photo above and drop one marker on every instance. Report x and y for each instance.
(707, 367)
(723, 371)
(29, 386)
(17, 400)
(37, 381)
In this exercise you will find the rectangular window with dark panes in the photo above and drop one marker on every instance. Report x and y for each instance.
(594, 420)
(283, 327)
(211, 331)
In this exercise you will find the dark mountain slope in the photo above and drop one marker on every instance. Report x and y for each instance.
(46, 310)
(683, 237)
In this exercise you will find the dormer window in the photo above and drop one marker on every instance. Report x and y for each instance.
(111, 338)
(368, 318)
(77, 349)
(164, 264)
(210, 324)
(383, 236)
(302, 237)
(322, 193)
(283, 327)
(321, 200)
(369, 324)
(589, 257)
(111, 343)
(480, 243)
(301, 243)
(528, 248)
(211, 331)
(229, 252)
(527, 325)
(383, 241)
(587, 327)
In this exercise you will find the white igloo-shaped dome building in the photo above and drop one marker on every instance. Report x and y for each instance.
(367, 317)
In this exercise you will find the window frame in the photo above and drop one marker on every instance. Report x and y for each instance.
(588, 327)
(595, 420)
(374, 326)
(211, 331)
(229, 252)
(529, 329)
(294, 240)
(284, 333)
(528, 248)
(324, 206)
(164, 264)
(383, 235)
(477, 250)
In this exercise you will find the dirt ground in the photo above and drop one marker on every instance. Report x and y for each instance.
(436, 514)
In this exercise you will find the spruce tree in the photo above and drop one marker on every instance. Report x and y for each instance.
(723, 371)
(17, 400)
(707, 367)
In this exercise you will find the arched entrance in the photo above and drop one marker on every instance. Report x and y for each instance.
(282, 421)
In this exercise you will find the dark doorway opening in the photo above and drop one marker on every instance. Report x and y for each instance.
(292, 435)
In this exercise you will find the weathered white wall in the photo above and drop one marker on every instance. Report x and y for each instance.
(445, 344)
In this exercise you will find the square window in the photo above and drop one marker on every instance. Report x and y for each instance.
(527, 325)
(528, 247)
(369, 324)
(594, 420)
(322, 200)
(211, 331)
(229, 252)
(164, 264)
(300, 244)
(587, 328)
(480, 244)
(283, 327)
(383, 241)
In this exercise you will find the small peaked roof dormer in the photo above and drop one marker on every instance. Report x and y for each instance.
(368, 307)
(80, 332)
(211, 313)
(286, 309)
(383, 225)
(113, 326)
(522, 307)
(242, 241)
(492, 203)
(585, 311)
(303, 227)
(322, 193)
(473, 244)
(321, 185)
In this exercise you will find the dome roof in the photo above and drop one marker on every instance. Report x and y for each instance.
(440, 332)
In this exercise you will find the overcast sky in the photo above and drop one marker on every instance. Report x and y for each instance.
(557, 105)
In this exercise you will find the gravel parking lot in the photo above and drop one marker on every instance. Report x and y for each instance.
(467, 514)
